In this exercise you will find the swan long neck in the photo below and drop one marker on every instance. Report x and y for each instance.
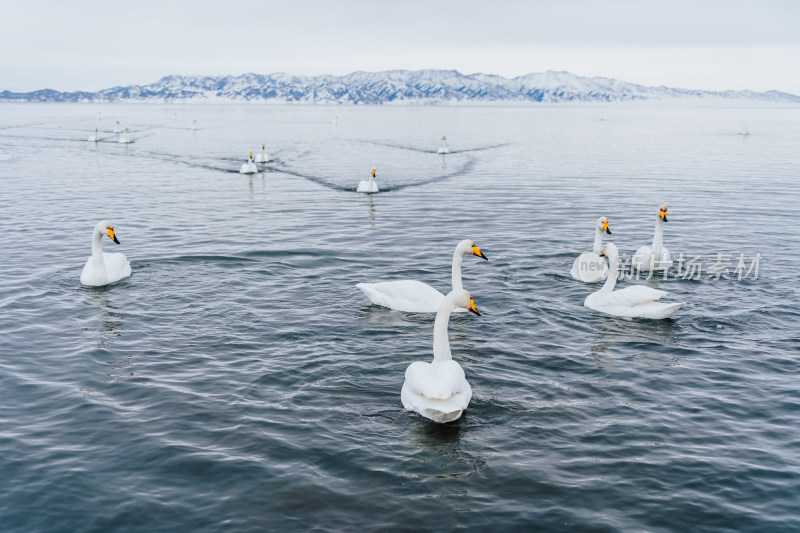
(458, 258)
(598, 241)
(441, 343)
(97, 249)
(658, 238)
(613, 273)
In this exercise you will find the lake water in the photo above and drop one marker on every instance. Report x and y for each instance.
(239, 381)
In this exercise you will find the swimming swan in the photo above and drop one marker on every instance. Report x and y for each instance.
(589, 266)
(104, 268)
(636, 301)
(123, 137)
(439, 390)
(368, 186)
(96, 137)
(654, 257)
(443, 149)
(117, 128)
(249, 167)
(194, 125)
(414, 296)
(262, 157)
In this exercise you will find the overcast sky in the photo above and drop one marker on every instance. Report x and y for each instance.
(697, 44)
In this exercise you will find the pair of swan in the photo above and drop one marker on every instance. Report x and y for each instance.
(588, 267)
(636, 301)
(262, 157)
(96, 137)
(368, 186)
(249, 167)
(103, 268)
(413, 296)
(437, 390)
(443, 149)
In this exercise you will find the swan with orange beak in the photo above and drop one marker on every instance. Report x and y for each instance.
(103, 268)
(655, 257)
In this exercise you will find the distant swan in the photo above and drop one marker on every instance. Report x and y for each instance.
(262, 157)
(104, 268)
(368, 186)
(443, 149)
(249, 167)
(95, 137)
(589, 266)
(636, 301)
(656, 257)
(123, 137)
(414, 296)
(194, 125)
(117, 128)
(439, 390)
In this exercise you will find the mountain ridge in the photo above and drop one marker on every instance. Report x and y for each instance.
(389, 87)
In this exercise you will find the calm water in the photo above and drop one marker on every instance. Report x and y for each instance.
(239, 381)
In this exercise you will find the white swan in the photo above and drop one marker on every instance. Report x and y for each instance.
(249, 167)
(443, 149)
(656, 257)
(439, 390)
(368, 186)
(194, 125)
(117, 128)
(123, 137)
(414, 296)
(589, 266)
(104, 268)
(636, 301)
(96, 137)
(262, 157)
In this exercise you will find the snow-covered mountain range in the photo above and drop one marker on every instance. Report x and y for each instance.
(389, 87)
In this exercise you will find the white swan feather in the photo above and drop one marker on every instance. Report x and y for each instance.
(103, 268)
(439, 390)
(414, 296)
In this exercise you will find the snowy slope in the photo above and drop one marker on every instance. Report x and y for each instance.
(389, 87)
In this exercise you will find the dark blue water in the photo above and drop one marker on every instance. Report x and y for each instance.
(239, 381)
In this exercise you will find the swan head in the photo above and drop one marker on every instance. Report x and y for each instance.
(444, 138)
(251, 155)
(662, 212)
(610, 251)
(602, 225)
(462, 298)
(105, 228)
(468, 247)
(373, 170)
(262, 146)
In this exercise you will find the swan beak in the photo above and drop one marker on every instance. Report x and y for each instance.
(472, 308)
(112, 236)
(603, 253)
(663, 215)
(606, 228)
(477, 251)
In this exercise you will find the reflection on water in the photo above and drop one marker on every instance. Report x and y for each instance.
(371, 211)
(442, 451)
(108, 324)
(106, 327)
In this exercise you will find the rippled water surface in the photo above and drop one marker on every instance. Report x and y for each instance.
(239, 381)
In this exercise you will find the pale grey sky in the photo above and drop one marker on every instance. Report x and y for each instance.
(711, 44)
